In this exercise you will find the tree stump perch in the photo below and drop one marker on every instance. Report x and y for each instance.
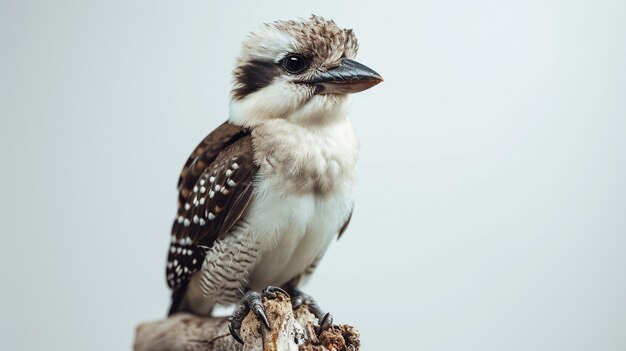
(291, 330)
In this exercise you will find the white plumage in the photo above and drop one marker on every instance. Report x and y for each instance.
(304, 194)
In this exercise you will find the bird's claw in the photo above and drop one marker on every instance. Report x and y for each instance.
(325, 319)
(234, 332)
(325, 323)
(252, 301)
(271, 291)
(299, 298)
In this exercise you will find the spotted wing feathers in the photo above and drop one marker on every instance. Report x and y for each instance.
(215, 189)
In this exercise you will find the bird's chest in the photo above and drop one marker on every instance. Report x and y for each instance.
(304, 160)
(304, 195)
(293, 232)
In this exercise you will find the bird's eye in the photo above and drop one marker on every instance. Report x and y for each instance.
(295, 63)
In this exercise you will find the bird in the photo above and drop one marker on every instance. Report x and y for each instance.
(262, 197)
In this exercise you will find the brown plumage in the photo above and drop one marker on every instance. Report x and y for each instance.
(214, 191)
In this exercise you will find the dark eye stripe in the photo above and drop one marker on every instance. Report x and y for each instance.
(253, 76)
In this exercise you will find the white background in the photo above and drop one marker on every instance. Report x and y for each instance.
(491, 212)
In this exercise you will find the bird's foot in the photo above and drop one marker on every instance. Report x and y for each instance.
(251, 301)
(298, 298)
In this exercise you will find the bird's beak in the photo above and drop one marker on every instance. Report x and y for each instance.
(349, 77)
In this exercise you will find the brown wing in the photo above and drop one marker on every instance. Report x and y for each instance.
(215, 188)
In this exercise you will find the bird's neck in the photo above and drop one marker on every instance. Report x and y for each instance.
(319, 111)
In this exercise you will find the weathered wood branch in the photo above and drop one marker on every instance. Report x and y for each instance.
(290, 331)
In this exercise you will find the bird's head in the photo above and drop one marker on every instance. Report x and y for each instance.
(302, 71)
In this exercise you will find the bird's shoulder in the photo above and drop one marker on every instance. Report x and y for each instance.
(206, 152)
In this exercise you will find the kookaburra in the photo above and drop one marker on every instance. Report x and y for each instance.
(262, 196)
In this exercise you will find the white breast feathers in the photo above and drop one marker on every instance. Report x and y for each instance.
(304, 194)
